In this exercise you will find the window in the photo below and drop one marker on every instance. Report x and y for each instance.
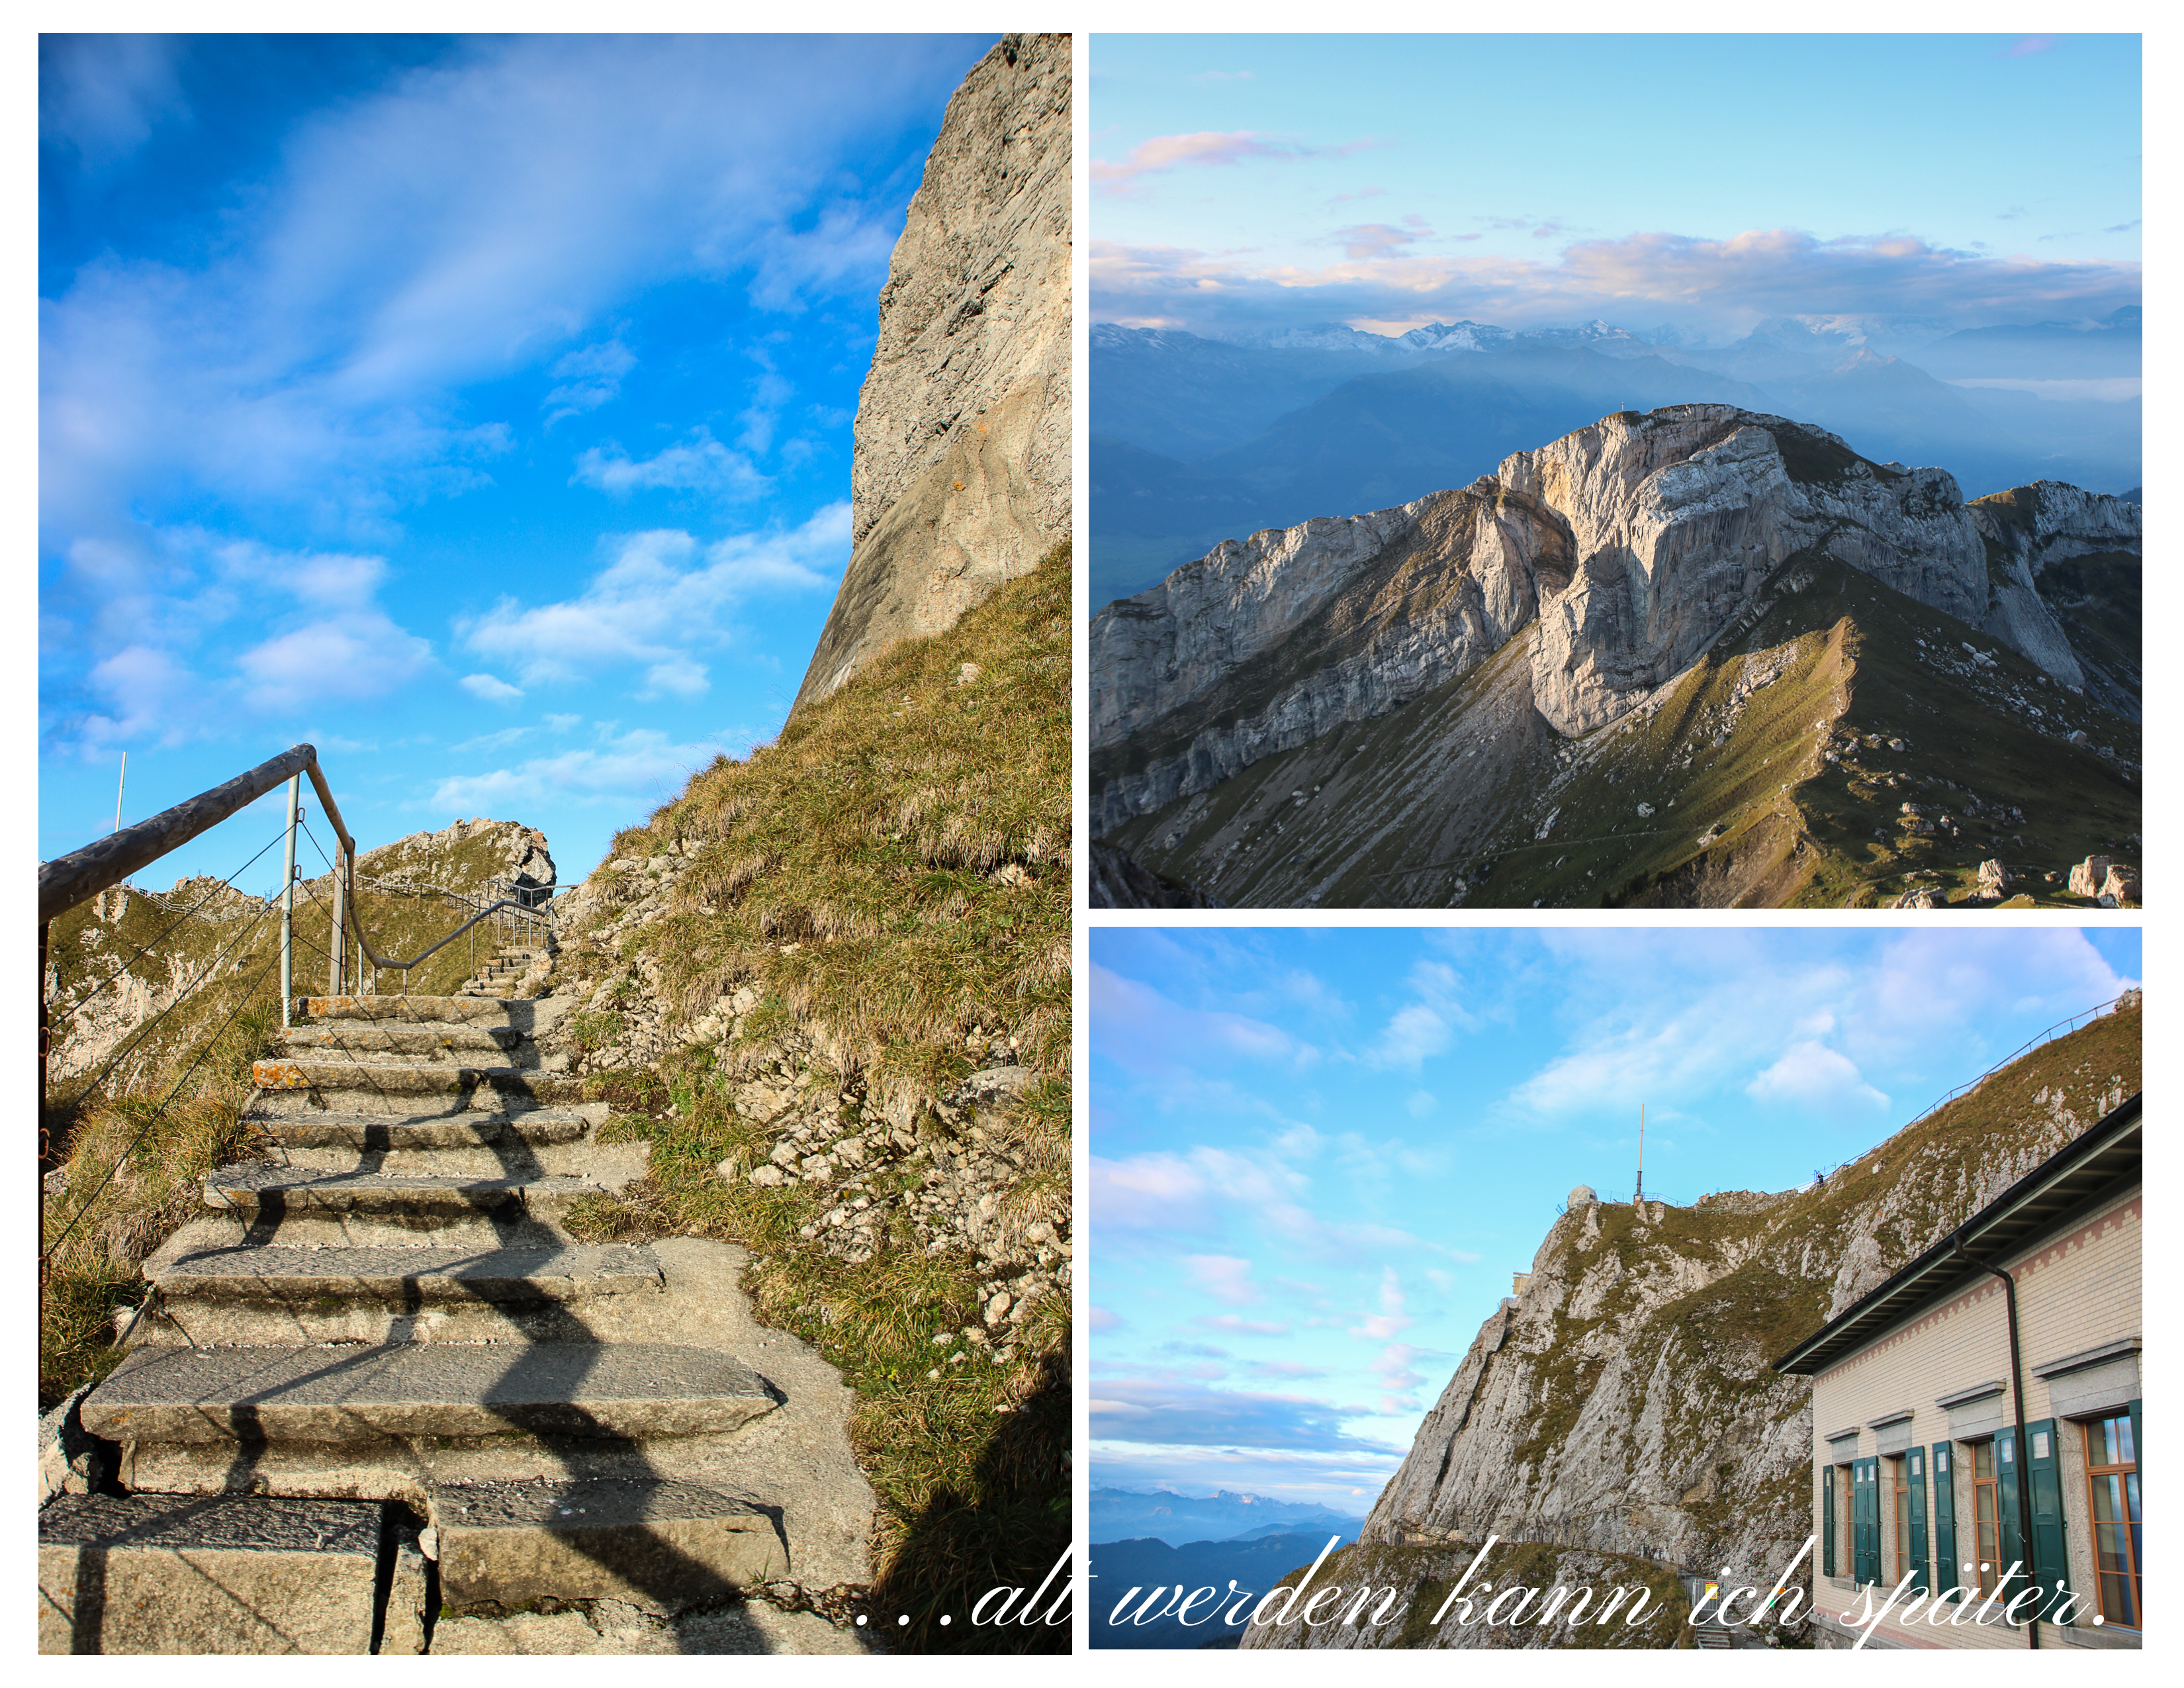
(2112, 1478)
(1986, 1518)
(1844, 1533)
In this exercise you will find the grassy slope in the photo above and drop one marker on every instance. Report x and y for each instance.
(1784, 827)
(892, 873)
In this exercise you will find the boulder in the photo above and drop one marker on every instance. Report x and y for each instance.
(2121, 884)
(2087, 877)
(1994, 879)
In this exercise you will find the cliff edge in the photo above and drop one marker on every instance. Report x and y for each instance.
(960, 478)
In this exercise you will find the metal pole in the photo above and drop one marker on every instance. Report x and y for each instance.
(288, 906)
(120, 785)
(335, 954)
(1640, 1195)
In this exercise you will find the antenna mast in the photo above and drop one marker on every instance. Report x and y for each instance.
(1640, 1195)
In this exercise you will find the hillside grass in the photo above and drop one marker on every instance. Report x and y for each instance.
(892, 873)
(131, 1178)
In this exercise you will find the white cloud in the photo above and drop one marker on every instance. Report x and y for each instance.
(591, 376)
(1226, 1278)
(352, 657)
(639, 765)
(1423, 1029)
(661, 594)
(103, 95)
(1810, 1074)
(703, 464)
(1420, 1103)
(457, 222)
(492, 690)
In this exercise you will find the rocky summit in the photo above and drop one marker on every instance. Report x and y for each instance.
(1619, 1421)
(1400, 708)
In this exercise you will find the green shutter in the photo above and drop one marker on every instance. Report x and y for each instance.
(1865, 1520)
(1949, 1572)
(1828, 1520)
(2009, 1531)
(1921, 1566)
(2051, 1569)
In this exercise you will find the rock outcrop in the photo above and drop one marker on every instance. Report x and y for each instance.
(1269, 641)
(960, 478)
(1630, 548)
(1625, 1403)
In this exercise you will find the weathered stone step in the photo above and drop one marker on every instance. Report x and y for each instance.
(402, 1039)
(390, 1078)
(419, 1010)
(263, 1190)
(467, 1130)
(204, 1574)
(404, 1277)
(356, 1394)
(654, 1543)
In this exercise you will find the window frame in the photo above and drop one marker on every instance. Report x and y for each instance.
(2127, 1471)
(1986, 1562)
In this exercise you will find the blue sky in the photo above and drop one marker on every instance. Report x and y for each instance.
(478, 409)
(1705, 182)
(1317, 1155)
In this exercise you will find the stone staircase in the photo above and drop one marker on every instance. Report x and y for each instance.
(507, 965)
(389, 1308)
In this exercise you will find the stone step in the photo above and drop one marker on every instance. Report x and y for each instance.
(342, 1077)
(345, 1394)
(470, 1130)
(207, 1574)
(406, 1040)
(226, 1295)
(418, 1009)
(656, 1544)
(406, 1277)
(262, 1191)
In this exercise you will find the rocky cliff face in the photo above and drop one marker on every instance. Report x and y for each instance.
(2051, 548)
(1625, 1403)
(1270, 642)
(960, 478)
(1632, 545)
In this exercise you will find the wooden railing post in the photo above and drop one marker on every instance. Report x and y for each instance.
(288, 906)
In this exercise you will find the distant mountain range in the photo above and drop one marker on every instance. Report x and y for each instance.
(1195, 441)
(1121, 1513)
(1232, 1569)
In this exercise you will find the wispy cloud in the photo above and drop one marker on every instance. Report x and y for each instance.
(662, 594)
(1721, 284)
(700, 463)
(590, 376)
(493, 691)
(1210, 148)
(642, 764)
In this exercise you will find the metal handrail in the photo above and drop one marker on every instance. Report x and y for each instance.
(73, 880)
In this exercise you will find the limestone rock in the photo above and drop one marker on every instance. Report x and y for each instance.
(1265, 643)
(1626, 548)
(960, 477)
(2087, 878)
(1994, 879)
(2121, 884)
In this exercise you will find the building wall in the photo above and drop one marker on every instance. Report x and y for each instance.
(2077, 1290)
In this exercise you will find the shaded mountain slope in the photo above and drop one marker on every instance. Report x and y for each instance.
(1772, 772)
